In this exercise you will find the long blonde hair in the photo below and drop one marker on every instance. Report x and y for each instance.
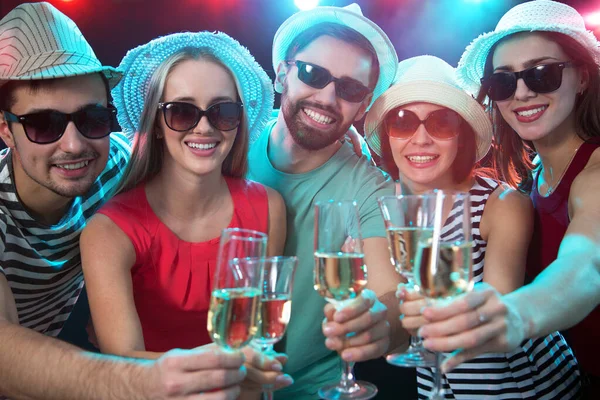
(148, 150)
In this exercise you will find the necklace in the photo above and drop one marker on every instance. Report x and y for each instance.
(552, 188)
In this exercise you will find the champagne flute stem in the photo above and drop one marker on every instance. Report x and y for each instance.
(437, 393)
(347, 382)
(267, 389)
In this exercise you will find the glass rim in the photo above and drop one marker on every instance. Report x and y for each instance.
(237, 234)
(335, 202)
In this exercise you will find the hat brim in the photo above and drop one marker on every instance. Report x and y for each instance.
(429, 92)
(301, 21)
(55, 72)
(471, 66)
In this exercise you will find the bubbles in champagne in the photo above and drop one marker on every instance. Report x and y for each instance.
(340, 276)
(233, 316)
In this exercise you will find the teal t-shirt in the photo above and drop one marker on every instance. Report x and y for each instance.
(344, 176)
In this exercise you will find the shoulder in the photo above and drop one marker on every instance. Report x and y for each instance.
(507, 205)
(128, 203)
(589, 178)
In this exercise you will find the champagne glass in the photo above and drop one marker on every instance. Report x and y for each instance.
(276, 307)
(407, 219)
(340, 276)
(444, 263)
(233, 316)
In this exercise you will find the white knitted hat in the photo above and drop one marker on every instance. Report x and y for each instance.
(428, 79)
(538, 15)
(39, 42)
(350, 16)
(139, 64)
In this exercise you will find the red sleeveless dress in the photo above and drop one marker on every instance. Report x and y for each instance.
(551, 222)
(172, 278)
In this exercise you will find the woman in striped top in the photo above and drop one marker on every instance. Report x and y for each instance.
(431, 133)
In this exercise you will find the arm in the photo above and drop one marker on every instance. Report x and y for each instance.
(34, 366)
(277, 223)
(506, 225)
(107, 256)
(573, 280)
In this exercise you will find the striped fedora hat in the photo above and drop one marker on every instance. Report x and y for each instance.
(39, 42)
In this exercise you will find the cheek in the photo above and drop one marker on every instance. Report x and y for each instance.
(397, 147)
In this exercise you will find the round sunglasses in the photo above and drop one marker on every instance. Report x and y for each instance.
(441, 124)
(180, 116)
(318, 77)
(48, 126)
(544, 78)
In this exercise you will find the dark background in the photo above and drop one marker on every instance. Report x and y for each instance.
(441, 28)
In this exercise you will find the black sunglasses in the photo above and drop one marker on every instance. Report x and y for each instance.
(544, 78)
(318, 77)
(441, 124)
(93, 122)
(181, 116)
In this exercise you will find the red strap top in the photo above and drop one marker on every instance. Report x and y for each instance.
(551, 223)
(172, 278)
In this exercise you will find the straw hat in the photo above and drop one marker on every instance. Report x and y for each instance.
(538, 15)
(350, 16)
(40, 42)
(428, 79)
(139, 65)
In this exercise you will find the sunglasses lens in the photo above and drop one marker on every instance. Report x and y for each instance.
(351, 91)
(313, 75)
(181, 116)
(224, 116)
(443, 124)
(401, 124)
(544, 78)
(45, 127)
(501, 86)
(95, 122)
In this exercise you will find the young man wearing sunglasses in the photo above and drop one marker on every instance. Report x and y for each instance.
(331, 63)
(61, 165)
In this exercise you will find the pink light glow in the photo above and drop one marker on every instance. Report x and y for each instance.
(593, 19)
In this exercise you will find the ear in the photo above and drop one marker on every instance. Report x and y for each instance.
(584, 80)
(5, 133)
(282, 69)
(363, 107)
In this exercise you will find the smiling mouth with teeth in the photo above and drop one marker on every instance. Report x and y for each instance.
(320, 118)
(421, 159)
(202, 146)
(529, 113)
(73, 166)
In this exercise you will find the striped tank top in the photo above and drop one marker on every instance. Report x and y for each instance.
(540, 369)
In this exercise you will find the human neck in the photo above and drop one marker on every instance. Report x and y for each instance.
(287, 156)
(556, 151)
(186, 196)
(411, 187)
(42, 204)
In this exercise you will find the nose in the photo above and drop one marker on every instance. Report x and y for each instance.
(523, 92)
(203, 126)
(327, 94)
(72, 141)
(421, 137)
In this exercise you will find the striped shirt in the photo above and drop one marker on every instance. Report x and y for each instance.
(541, 369)
(42, 263)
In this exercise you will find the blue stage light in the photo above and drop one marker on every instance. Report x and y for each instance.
(306, 4)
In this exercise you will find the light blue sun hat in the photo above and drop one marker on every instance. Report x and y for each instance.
(350, 16)
(538, 15)
(140, 63)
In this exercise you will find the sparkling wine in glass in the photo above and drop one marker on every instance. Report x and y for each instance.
(276, 308)
(408, 219)
(340, 275)
(233, 316)
(444, 263)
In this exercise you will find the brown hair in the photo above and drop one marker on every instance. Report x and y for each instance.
(147, 155)
(342, 33)
(512, 156)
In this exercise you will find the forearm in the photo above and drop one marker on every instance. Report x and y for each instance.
(33, 366)
(561, 296)
(399, 337)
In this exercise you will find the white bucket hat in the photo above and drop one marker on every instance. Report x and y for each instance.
(538, 15)
(139, 64)
(40, 42)
(428, 79)
(350, 16)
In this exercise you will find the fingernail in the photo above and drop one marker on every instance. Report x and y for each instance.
(422, 309)
(420, 332)
(329, 343)
(348, 355)
(401, 317)
(285, 378)
(327, 330)
(400, 294)
(277, 367)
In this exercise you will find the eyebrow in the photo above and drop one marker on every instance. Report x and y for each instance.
(38, 110)
(218, 99)
(527, 64)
